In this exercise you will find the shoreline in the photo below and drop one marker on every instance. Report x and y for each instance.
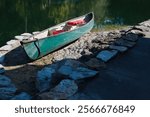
(87, 52)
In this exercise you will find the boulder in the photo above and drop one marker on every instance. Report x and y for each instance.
(63, 90)
(2, 57)
(44, 78)
(123, 42)
(119, 48)
(4, 81)
(75, 70)
(22, 96)
(95, 63)
(106, 55)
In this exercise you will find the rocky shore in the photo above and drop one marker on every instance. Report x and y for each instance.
(63, 73)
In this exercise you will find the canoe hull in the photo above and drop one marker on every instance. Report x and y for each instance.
(39, 48)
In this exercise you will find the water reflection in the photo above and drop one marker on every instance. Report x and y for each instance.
(18, 16)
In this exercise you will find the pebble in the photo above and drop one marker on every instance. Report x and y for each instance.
(106, 55)
(119, 48)
(65, 89)
(4, 81)
(22, 96)
(7, 92)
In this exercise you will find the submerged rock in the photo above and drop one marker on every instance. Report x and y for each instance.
(44, 78)
(7, 92)
(95, 63)
(4, 81)
(106, 55)
(119, 48)
(22, 96)
(131, 37)
(126, 43)
(63, 90)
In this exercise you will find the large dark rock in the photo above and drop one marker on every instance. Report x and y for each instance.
(63, 90)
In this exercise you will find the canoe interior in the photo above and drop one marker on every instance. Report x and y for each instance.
(44, 43)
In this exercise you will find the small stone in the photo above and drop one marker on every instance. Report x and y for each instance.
(4, 81)
(95, 63)
(44, 78)
(7, 92)
(26, 34)
(36, 32)
(63, 90)
(6, 48)
(2, 70)
(119, 48)
(22, 96)
(106, 55)
(126, 43)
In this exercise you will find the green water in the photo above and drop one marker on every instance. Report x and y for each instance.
(19, 16)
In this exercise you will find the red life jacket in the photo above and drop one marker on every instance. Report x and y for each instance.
(76, 22)
(57, 32)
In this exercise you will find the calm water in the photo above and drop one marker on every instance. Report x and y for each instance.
(18, 16)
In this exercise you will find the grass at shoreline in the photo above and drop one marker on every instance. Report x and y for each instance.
(109, 28)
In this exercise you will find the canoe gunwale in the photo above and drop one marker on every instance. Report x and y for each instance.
(35, 39)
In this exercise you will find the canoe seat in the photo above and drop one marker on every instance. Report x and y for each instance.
(57, 32)
(76, 22)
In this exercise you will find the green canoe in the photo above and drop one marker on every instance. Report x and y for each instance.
(57, 36)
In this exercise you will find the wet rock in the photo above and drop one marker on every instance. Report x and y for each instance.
(44, 78)
(7, 92)
(2, 70)
(126, 43)
(22, 96)
(6, 48)
(2, 58)
(95, 63)
(4, 81)
(131, 37)
(76, 70)
(106, 55)
(82, 73)
(119, 48)
(63, 90)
